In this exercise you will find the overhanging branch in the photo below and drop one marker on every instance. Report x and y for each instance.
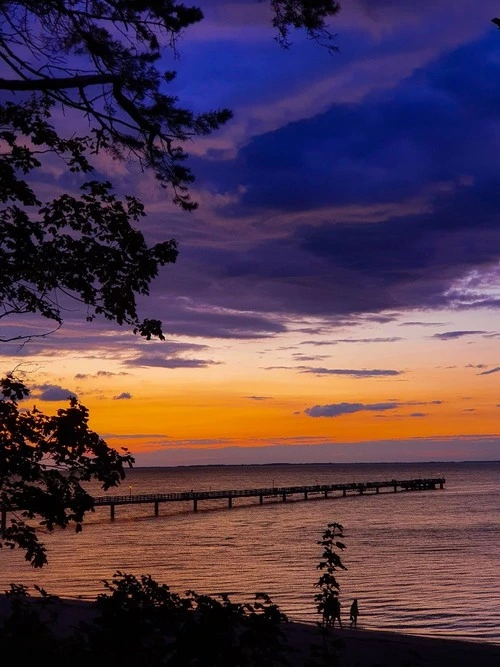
(58, 83)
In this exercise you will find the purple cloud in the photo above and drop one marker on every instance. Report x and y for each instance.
(452, 335)
(51, 392)
(162, 362)
(99, 374)
(491, 371)
(338, 409)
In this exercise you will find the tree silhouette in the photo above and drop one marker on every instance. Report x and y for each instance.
(43, 462)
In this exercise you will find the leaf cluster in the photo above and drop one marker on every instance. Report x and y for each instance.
(102, 60)
(310, 15)
(85, 247)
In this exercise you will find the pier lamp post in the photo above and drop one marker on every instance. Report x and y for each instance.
(130, 490)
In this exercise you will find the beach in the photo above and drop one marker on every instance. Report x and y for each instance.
(370, 648)
(360, 648)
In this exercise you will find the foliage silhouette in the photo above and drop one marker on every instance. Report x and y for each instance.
(330, 563)
(139, 621)
(43, 462)
(328, 651)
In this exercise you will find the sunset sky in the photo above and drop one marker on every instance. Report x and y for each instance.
(337, 293)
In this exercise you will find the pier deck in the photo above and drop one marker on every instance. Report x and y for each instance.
(283, 493)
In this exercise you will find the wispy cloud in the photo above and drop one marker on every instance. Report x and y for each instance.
(421, 324)
(351, 372)
(305, 357)
(452, 335)
(491, 371)
(173, 362)
(391, 339)
(337, 341)
(99, 374)
(338, 409)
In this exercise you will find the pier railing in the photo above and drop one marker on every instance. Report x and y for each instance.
(283, 493)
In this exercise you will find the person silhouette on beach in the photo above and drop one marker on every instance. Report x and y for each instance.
(332, 612)
(354, 613)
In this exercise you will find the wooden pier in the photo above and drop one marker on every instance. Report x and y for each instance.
(284, 493)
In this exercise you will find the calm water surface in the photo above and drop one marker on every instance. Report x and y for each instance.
(424, 563)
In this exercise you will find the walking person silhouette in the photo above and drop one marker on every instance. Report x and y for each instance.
(331, 612)
(354, 613)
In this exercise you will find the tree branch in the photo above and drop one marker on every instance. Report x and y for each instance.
(58, 84)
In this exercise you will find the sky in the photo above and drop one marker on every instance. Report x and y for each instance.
(336, 296)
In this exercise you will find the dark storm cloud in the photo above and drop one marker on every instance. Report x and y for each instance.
(51, 392)
(431, 138)
(354, 373)
(213, 324)
(437, 124)
(180, 318)
(331, 269)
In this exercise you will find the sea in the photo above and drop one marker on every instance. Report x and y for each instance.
(419, 562)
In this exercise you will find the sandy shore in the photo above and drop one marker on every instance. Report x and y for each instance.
(370, 648)
(361, 648)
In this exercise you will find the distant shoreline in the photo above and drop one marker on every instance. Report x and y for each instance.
(363, 648)
(315, 463)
